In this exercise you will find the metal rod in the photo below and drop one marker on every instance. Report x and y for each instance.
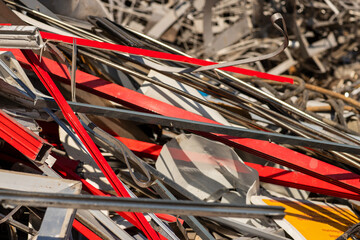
(73, 72)
(207, 127)
(9, 215)
(178, 207)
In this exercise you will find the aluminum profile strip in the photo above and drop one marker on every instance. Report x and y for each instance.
(22, 37)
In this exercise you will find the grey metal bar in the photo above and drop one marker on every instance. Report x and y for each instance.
(179, 207)
(207, 127)
(23, 37)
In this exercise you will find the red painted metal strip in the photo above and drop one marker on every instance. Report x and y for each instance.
(159, 55)
(25, 141)
(263, 149)
(38, 68)
(169, 218)
(291, 159)
(142, 149)
(85, 231)
(302, 181)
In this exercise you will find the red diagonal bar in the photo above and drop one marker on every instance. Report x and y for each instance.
(41, 71)
(263, 149)
(159, 55)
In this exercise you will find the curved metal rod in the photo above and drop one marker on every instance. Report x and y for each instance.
(116, 147)
(274, 18)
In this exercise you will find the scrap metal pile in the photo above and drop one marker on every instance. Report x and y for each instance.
(179, 119)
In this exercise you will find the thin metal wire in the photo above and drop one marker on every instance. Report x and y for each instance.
(10, 214)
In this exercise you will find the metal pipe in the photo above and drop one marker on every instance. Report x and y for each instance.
(179, 207)
(73, 72)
